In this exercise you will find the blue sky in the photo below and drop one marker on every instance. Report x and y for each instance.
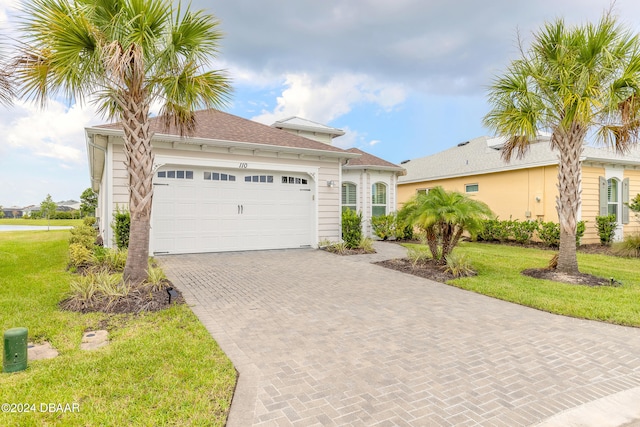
(403, 78)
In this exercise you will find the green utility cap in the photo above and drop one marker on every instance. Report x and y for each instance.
(15, 350)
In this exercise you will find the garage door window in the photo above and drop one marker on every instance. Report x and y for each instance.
(176, 174)
(217, 176)
(293, 180)
(259, 178)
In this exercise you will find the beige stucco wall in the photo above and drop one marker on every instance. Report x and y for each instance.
(590, 201)
(321, 169)
(510, 194)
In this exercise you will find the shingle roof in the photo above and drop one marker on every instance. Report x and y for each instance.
(367, 159)
(477, 157)
(217, 125)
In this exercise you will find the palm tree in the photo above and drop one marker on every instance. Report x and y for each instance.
(125, 55)
(572, 81)
(444, 216)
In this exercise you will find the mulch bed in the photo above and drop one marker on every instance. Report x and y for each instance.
(430, 270)
(572, 279)
(140, 298)
(427, 269)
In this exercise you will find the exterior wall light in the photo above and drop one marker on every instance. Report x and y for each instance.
(331, 183)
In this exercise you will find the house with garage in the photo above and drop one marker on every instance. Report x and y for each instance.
(233, 184)
(526, 188)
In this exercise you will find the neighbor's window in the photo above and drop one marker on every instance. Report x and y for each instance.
(348, 196)
(471, 188)
(613, 200)
(422, 191)
(378, 199)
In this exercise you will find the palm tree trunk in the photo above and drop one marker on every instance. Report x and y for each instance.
(139, 161)
(569, 144)
(432, 241)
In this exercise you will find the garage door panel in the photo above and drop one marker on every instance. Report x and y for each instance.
(199, 215)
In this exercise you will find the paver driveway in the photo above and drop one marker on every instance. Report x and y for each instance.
(321, 339)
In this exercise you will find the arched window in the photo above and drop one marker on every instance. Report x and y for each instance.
(613, 197)
(378, 199)
(349, 197)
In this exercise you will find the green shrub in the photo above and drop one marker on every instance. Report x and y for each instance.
(404, 232)
(121, 225)
(503, 231)
(629, 247)
(606, 225)
(459, 265)
(384, 226)
(89, 220)
(522, 231)
(549, 233)
(351, 228)
(79, 255)
(84, 235)
(489, 231)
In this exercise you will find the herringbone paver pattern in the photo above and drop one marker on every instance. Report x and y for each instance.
(322, 340)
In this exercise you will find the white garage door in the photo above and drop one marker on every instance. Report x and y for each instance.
(215, 210)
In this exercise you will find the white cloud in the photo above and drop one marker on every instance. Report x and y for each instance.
(324, 101)
(54, 132)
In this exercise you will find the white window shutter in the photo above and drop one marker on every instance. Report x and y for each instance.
(604, 210)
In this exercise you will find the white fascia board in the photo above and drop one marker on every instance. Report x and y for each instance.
(233, 144)
(327, 130)
(630, 162)
(400, 171)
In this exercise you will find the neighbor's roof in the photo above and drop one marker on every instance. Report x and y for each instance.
(219, 126)
(369, 161)
(483, 155)
(298, 123)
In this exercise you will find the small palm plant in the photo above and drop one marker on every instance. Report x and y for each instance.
(444, 216)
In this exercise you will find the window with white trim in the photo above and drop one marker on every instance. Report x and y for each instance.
(471, 188)
(378, 199)
(349, 196)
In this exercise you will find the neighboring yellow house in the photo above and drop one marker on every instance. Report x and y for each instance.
(526, 188)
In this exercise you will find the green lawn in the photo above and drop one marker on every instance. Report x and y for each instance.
(159, 368)
(499, 276)
(23, 221)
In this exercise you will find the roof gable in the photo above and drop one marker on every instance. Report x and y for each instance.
(216, 125)
(369, 160)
